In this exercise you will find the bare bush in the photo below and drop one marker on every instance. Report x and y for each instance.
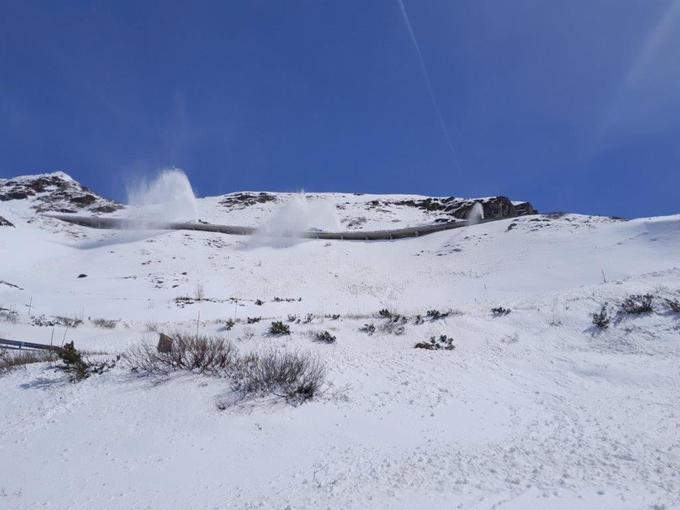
(200, 353)
(296, 377)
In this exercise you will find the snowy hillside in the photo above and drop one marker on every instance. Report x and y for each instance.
(535, 407)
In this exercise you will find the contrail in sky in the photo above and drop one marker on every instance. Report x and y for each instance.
(428, 83)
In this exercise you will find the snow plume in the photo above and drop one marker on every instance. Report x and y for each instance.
(167, 198)
(476, 213)
(293, 217)
(428, 82)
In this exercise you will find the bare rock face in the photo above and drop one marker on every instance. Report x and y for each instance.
(5, 223)
(458, 208)
(55, 192)
(245, 199)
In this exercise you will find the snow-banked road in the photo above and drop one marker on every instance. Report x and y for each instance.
(348, 235)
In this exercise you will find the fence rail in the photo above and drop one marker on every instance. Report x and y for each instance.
(20, 344)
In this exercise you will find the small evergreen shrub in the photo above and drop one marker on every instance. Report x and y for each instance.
(369, 329)
(385, 314)
(442, 342)
(499, 311)
(602, 318)
(325, 337)
(78, 368)
(637, 304)
(434, 315)
(278, 328)
(673, 305)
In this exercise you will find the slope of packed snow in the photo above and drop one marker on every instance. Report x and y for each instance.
(534, 409)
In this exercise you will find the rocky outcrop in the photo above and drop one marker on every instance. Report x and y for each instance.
(244, 199)
(494, 207)
(55, 192)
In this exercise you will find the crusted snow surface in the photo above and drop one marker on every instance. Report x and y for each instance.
(533, 409)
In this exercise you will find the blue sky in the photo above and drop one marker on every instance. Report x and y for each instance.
(572, 104)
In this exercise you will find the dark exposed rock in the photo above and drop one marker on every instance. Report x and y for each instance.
(494, 207)
(243, 200)
(55, 192)
(5, 223)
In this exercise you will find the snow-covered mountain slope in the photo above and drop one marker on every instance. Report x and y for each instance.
(536, 408)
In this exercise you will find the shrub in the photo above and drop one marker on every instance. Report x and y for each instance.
(294, 376)
(308, 318)
(332, 316)
(105, 324)
(78, 368)
(325, 337)
(602, 318)
(385, 313)
(9, 316)
(636, 304)
(673, 305)
(394, 326)
(369, 329)
(499, 311)
(259, 302)
(292, 318)
(418, 320)
(229, 324)
(253, 320)
(13, 359)
(436, 315)
(278, 328)
(442, 342)
(200, 353)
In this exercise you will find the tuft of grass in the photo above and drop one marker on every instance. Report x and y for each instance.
(13, 359)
